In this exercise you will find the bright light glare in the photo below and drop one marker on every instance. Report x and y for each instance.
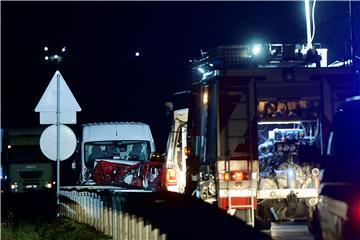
(63, 49)
(14, 186)
(137, 54)
(56, 56)
(308, 27)
(46, 48)
(201, 70)
(205, 98)
(9, 146)
(256, 49)
(46, 58)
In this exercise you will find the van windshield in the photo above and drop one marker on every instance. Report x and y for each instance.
(117, 150)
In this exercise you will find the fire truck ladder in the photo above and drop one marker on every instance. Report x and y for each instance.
(243, 119)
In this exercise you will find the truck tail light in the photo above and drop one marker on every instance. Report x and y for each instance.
(355, 212)
(234, 176)
(170, 177)
(240, 176)
(226, 176)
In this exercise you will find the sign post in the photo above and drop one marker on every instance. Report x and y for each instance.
(58, 106)
(57, 142)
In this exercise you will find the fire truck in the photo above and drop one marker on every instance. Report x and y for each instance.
(256, 125)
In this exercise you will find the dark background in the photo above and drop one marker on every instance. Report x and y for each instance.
(101, 69)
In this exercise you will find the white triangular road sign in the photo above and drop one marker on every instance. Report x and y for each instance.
(48, 100)
(47, 105)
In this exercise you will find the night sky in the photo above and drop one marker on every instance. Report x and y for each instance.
(109, 82)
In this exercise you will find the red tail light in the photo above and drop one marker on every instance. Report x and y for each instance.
(170, 177)
(240, 176)
(355, 211)
(235, 176)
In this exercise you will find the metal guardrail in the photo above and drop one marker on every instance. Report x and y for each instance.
(109, 211)
(143, 214)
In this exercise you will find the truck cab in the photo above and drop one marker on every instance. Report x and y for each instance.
(27, 168)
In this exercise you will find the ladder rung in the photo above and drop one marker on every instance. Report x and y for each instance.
(240, 206)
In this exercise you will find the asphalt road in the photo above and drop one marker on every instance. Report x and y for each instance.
(289, 231)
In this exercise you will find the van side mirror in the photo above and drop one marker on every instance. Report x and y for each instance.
(157, 157)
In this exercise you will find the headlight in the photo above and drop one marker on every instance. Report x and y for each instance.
(48, 185)
(14, 186)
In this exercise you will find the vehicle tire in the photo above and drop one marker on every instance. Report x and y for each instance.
(314, 227)
(262, 224)
(243, 215)
(262, 220)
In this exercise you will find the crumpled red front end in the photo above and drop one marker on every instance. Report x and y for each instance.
(143, 175)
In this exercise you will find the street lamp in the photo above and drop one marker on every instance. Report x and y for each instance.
(54, 56)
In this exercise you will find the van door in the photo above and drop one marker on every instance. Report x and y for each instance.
(176, 158)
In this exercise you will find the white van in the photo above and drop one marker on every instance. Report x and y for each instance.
(114, 143)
